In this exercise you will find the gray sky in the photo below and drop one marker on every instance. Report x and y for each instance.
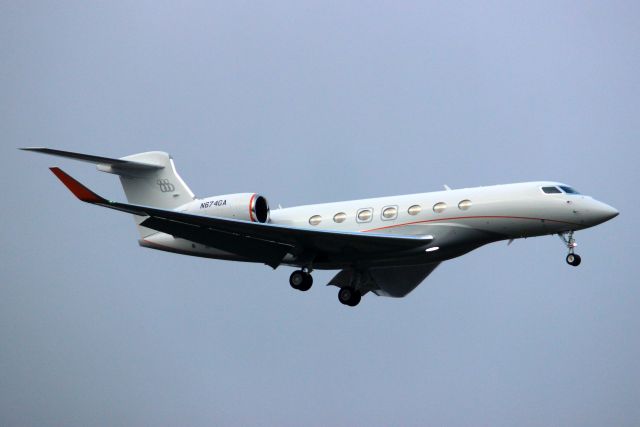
(309, 102)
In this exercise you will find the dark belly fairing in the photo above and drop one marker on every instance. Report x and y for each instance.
(395, 281)
(396, 276)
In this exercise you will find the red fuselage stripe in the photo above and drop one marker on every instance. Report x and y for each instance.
(471, 217)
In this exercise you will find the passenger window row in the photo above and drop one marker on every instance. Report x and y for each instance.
(388, 213)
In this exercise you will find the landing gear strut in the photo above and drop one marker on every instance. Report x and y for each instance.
(301, 280)
(572, 258)
(349, 296)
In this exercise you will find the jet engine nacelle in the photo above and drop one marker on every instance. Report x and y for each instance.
(243, 206)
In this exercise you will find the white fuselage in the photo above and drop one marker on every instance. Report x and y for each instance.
(459, 220)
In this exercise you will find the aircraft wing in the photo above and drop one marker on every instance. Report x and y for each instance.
(268, 243)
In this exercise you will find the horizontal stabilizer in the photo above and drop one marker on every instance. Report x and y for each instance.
(98, 160)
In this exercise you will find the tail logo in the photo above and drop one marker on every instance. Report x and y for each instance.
(166, 186)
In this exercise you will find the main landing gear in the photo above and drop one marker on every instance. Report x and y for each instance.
(349, 296)
(572, 258)
(301, 280)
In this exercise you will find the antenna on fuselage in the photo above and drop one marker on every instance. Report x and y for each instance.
(446, 187)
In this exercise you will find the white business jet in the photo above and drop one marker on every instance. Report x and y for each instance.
(385, 245)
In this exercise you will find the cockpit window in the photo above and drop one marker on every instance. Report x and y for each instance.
(569, 190)
(551, 190)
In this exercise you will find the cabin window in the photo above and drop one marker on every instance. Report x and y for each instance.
(365, 215)
(551, 190)
(315, 220)
(439, 207)
(389, 212)
(339, 217)
(414, 210)
(464, 205)
(569, 190)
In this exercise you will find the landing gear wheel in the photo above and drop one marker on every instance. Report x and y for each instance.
(301, 280)
(345, 295)
(356, 299)
(306, 283)
(349, 296)
(574, 260)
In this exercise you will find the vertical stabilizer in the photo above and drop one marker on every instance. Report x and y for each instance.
(161, 188)
(148, 179)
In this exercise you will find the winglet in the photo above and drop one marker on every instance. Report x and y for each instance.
(78, 190)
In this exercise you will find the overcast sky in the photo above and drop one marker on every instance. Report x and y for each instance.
(310, 102)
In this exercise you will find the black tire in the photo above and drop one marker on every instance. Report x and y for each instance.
(297, 279)
(306, 283)
(574, 259)
(345, 295)
(355, 299)
(349, 296)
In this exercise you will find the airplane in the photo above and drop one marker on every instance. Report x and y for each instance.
(385, 245)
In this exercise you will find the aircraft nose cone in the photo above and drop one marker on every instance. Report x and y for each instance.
(603, 212)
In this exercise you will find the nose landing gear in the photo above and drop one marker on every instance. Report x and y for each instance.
(572, 258)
